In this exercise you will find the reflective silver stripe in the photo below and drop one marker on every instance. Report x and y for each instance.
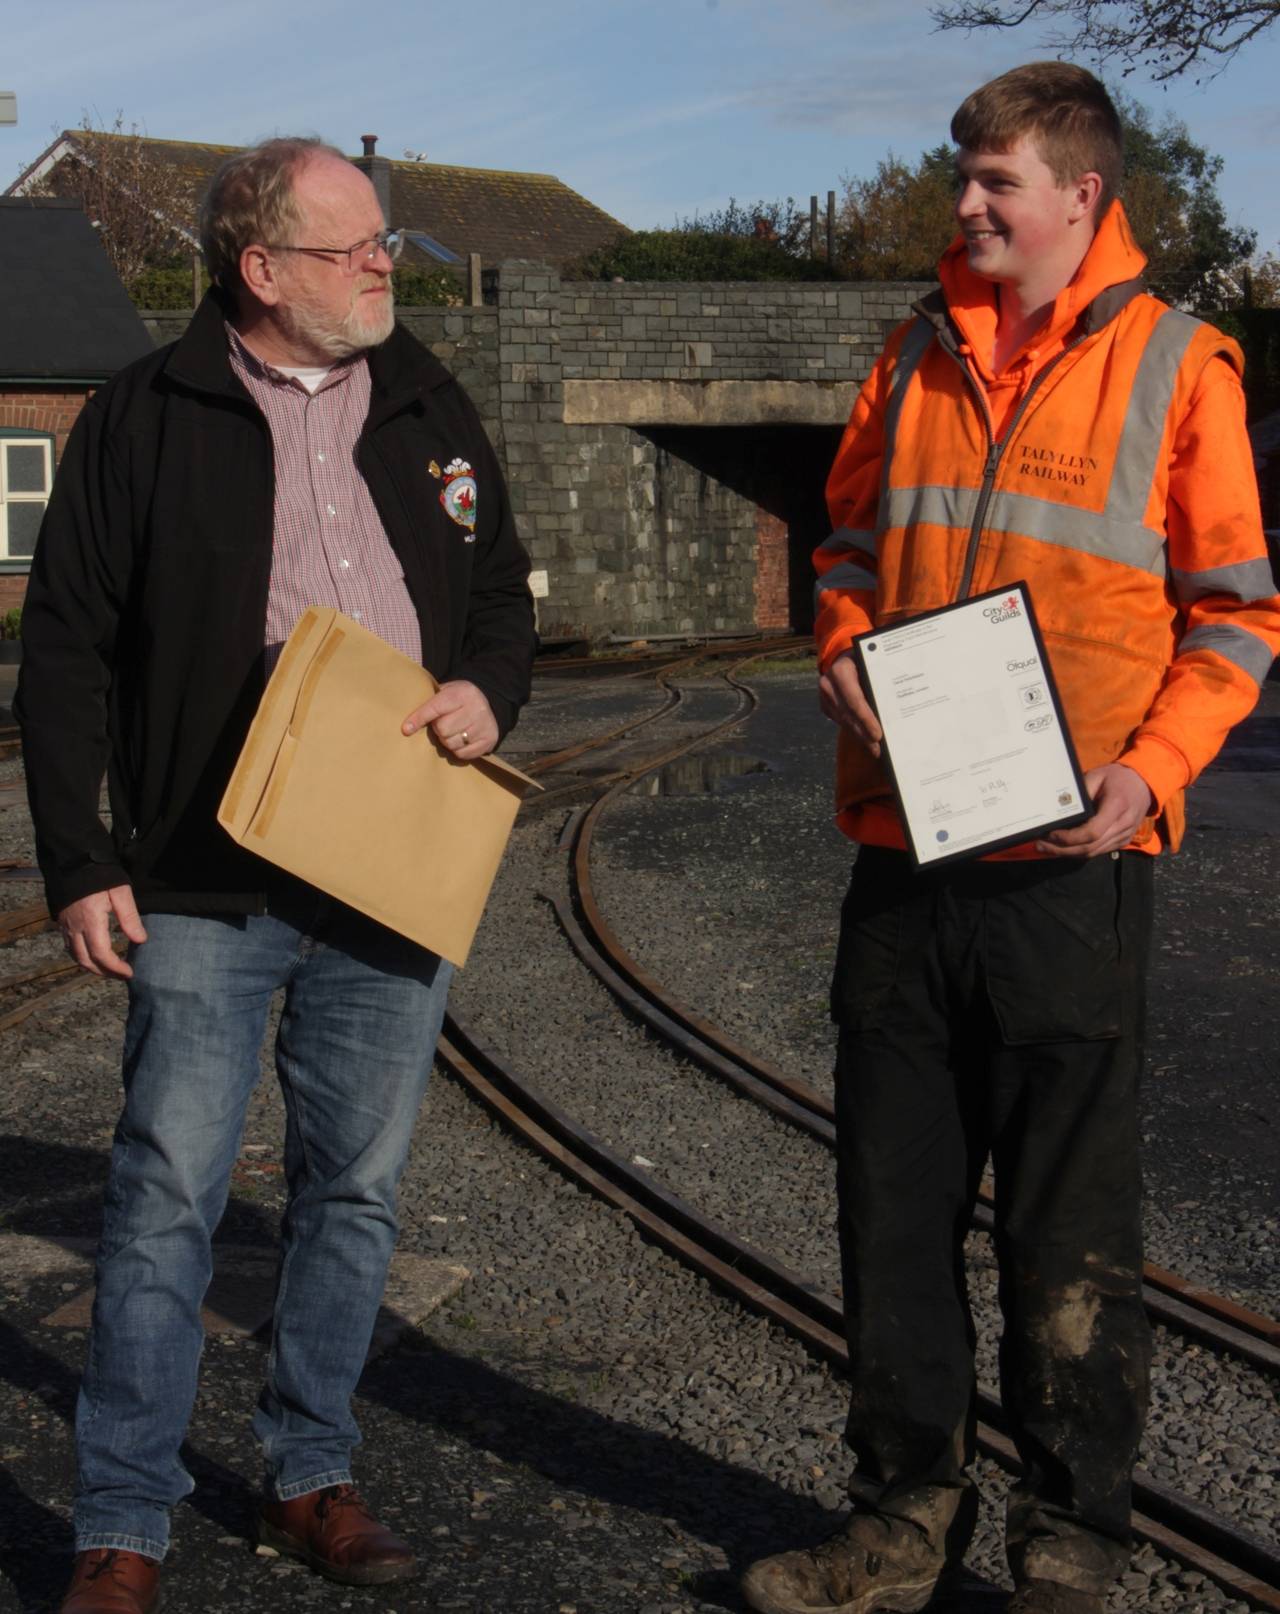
(1119, 532)
(844, 577)
(933, 505)
(1134, 468)
(1023, 515)
(844, 538)
(1237, 645)
(1129, 543)
(915, 344)
(1246, 581)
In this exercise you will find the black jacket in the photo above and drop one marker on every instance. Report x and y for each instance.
(143, 622)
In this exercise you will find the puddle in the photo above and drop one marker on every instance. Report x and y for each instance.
(699, 775)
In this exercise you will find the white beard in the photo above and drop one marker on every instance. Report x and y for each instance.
(306, 324)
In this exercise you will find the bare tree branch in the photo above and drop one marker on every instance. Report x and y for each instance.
(1168, 37)
(142, 207)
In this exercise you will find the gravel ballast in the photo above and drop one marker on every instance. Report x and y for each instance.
(587, 1426)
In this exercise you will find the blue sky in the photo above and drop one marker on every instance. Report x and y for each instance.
(654, 109)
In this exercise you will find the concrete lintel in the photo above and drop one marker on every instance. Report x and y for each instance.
(708, 403)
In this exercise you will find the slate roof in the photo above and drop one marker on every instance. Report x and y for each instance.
(496, 213)
(64, 316)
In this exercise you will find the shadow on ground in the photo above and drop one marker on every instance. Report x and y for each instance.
(423, 1385)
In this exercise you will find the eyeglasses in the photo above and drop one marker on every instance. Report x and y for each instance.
(364, 252)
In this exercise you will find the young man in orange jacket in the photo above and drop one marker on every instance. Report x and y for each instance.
(1041, 418)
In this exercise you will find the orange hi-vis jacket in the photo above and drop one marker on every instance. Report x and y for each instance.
(1108, 466)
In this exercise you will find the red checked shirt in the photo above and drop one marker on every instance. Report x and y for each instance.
(330, 547)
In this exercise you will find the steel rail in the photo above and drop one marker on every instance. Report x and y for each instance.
(50, 971)
(1235, 1559)
(663, 676)
(24, 1011)
(748, 700)
(1204, 1316)
(41, 972)
(19, 922)
(669, 656)
(556, 759)
(747, 650)
(1177, 1303)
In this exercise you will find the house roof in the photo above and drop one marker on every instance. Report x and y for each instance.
(497, 213)
(64, 315)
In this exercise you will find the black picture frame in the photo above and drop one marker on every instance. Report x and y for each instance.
(1067, 820)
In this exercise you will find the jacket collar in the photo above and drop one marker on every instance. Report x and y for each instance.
(964, 309)
(400, 368)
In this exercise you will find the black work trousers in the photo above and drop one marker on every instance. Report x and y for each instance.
(996, 1010)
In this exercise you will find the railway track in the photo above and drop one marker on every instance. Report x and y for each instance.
(1184, 1307)
(1181, 1528)
(664, 673)
(33, 920)
(1236, 1559)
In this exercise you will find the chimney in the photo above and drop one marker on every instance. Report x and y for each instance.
(378, 170)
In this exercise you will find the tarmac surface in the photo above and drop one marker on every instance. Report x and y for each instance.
(493, 1435)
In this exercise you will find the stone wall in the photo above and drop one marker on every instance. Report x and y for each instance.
(633, 538)
(465, 340)
(642, 529)
(638, 330)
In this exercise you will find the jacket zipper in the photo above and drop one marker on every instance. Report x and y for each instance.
(995, 451)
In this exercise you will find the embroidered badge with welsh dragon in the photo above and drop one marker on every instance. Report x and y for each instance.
(458, 496)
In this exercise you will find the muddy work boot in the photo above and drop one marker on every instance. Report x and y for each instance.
(870, 1564)
(1052, 1597)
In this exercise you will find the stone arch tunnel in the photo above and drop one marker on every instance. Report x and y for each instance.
(781, 471)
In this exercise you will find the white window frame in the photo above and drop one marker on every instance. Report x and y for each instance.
(25, 437)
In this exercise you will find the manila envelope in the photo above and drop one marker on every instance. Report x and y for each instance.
(328, 788)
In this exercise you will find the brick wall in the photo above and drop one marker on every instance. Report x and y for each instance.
(43, 409)
(773, 602)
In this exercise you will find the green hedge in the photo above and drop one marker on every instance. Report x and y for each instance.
(426, 288)
(693, 255)
(166, 287)
(169, 287)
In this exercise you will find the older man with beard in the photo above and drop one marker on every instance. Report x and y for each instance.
(294, 448)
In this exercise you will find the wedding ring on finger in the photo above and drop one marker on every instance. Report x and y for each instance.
(463, 736)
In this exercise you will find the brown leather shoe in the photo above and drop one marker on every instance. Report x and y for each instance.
(334, 1533)
(108, 1580)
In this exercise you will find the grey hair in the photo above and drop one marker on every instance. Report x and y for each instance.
(250, 198)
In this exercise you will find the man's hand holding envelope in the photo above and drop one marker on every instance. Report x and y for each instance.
(403, 818)
(460, 718)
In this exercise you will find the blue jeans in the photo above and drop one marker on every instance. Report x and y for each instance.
(362, 1011)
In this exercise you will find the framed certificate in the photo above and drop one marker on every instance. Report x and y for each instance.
(977, 746)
